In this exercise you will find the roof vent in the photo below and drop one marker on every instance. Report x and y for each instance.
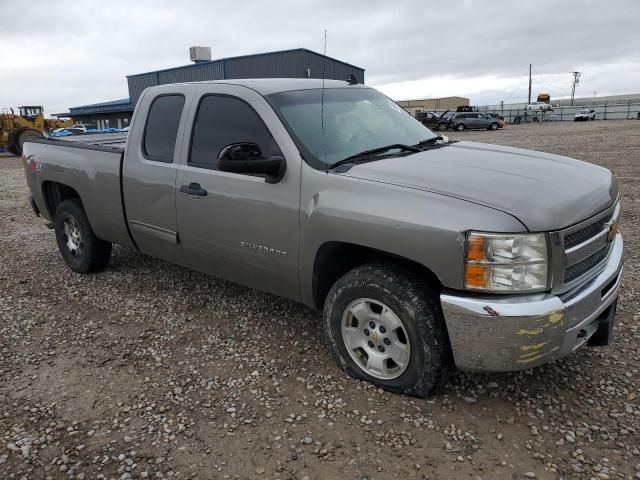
(200, 54)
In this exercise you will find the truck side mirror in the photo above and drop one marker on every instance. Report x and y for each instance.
(247, 158)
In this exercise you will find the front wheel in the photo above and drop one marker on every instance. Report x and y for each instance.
(442, 126)
(386, 326)
(460, 127)
(494, 126)
(81, 250)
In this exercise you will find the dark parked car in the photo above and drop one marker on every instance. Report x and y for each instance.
(466, 108)
(495, 115)
(468, 120)
(432, 120)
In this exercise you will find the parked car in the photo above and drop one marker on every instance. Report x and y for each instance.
(432, 120)
(540, 107)
(464, 121)
(496, 115)
(420, 253)
(585, 114)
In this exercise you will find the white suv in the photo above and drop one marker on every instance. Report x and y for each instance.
(540, 107)
(585, 115)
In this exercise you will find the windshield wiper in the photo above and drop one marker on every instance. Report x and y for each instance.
(375, 151)
(428, 141)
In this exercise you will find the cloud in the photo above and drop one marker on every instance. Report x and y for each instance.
(68, 53)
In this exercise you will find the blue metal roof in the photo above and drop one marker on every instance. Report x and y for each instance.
(122, 101)
(293, 63)
(225, 59)
(121, 105)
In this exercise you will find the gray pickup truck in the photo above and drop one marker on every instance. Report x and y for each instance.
(422, 253)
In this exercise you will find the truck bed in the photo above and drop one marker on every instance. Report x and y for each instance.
(90, 165)
(110, 142)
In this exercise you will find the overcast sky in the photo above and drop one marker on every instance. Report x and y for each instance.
(67, 53)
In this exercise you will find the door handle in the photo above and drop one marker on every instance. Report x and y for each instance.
(193, 189)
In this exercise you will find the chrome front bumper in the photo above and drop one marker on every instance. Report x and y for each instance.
(501, 333)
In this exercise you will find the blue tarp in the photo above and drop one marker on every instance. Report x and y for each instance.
(65, 133)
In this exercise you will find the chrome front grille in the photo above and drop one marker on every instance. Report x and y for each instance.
(584, 234)
(584, 266)
(581, 251)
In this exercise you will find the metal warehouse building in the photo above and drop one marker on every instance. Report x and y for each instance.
(296, 63)
(429, 104)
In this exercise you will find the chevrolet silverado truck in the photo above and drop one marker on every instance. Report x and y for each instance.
(423, 254)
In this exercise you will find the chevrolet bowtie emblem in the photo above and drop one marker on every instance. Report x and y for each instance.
(611, 235)
(374, 337)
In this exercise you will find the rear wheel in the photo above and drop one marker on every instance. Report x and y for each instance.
(82, 251)
(385, 326)
(460, 127)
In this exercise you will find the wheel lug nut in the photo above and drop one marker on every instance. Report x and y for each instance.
(382, 329)
(366, 332)
(381, 348)
(370, 343)
(372, 325)
(387, 341)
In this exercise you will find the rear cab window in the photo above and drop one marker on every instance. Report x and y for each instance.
(161, 129)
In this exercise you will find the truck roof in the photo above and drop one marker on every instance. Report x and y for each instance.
(267, 86)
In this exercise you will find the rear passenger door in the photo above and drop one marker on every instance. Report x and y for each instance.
(473, 120)
(238, 226)
(149, 173)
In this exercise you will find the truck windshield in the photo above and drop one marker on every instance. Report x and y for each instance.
(353, 120)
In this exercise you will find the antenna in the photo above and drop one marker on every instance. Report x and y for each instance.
(324, 65)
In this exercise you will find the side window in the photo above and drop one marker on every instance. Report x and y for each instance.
(222, 121)
(162, 128)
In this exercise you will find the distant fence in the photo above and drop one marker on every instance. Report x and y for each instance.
(604, 111)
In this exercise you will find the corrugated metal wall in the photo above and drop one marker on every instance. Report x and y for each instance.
(288, 64)
(138, 83)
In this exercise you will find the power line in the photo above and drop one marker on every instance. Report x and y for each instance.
(539, 77)
(514, 90)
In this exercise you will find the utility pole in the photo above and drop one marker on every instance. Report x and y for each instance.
(529, 84)
(576, 80)
(529, 102)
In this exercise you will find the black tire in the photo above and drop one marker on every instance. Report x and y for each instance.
(91, 254)
(22, 137)
(442, 126)
(494, 126)
(416, 304)
(13, 148)
(460, 127)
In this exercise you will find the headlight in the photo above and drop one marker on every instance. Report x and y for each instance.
(506, 263)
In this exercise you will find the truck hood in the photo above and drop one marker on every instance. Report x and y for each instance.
(543, 191)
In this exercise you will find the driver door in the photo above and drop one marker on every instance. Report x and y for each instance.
(233, 225)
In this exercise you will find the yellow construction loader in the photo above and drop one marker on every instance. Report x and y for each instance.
(29, 122)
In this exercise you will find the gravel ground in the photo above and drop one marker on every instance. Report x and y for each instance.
(149, 370)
